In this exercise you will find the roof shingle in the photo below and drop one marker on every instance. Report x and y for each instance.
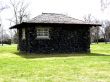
(56, 18)
(53, 18)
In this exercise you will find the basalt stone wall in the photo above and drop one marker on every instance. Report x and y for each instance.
(22, 43)
(63, 39)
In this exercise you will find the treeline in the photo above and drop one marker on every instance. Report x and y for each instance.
(8, 41)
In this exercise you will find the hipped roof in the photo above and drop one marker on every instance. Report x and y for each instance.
(53, 18)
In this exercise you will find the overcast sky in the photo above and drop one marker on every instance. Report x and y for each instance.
(74, 8)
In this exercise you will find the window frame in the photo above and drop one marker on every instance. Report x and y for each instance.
(42, 33)
(23, 33)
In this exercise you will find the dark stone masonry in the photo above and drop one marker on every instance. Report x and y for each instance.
(63, 37)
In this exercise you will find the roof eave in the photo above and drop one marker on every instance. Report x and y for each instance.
(23, 23)
(17, 25)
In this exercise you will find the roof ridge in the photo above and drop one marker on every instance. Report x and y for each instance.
(53, 13)
(57, 18)
(64, 15)
(48, 13)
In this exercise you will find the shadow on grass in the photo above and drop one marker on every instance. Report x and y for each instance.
(32, 55)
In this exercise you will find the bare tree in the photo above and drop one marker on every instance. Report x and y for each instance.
(88, 18)
(105, 30)
(3, 35)
(20, 11)
(104, 4)
(2, 7)
(94, 31)
(105, 24)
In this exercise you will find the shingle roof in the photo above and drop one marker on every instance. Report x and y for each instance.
(53, 18)
(56, 18)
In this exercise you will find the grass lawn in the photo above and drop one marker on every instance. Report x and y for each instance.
(88, 67)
